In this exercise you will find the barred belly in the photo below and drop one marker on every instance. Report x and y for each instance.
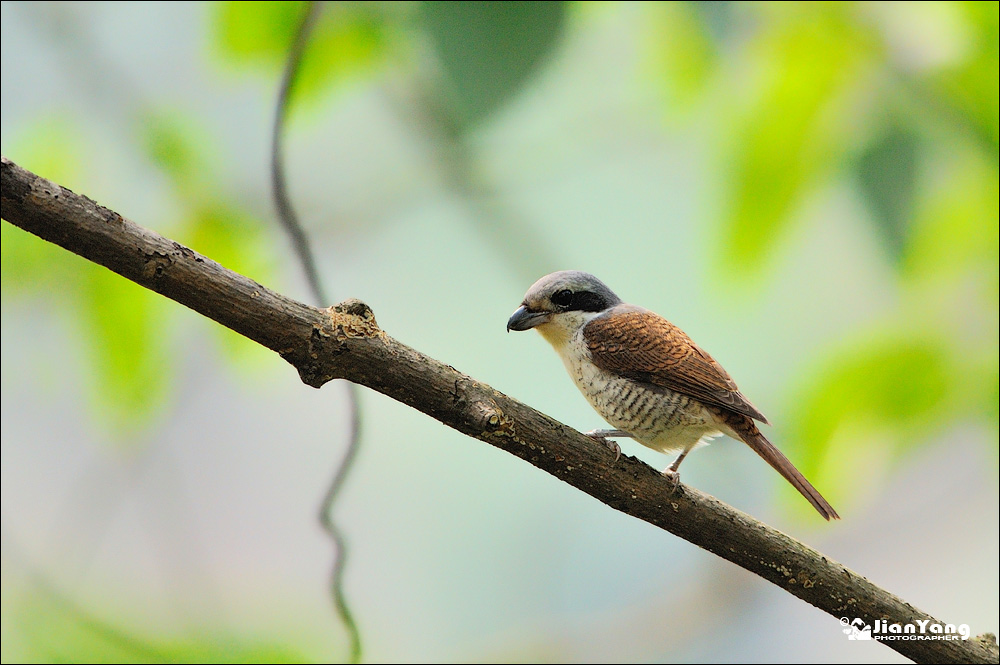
(658, 418)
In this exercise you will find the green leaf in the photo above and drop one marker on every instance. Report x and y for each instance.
(989, 399)
(683, 48)
(951, 269)
(971, 87)
(180, 147)
(55, 630)
(978, 377)
(488, 50)
(125, 332)
(801, 70)
(213, 225)
(256, 32)
(867, 401)
(240, 242)
(348, 39)
(121, 325)
(718, 15)
(29, 265)
(231, 237)
(955, 227)
(886, 173)
(53, 149)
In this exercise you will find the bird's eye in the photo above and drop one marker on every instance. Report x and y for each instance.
(563, 298)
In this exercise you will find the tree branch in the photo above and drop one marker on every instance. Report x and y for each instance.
(344, 342)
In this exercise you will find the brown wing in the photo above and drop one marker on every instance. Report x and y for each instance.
(644, 346)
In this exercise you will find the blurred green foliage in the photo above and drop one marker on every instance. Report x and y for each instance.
(789, 127)
(897, 110)
(967, 87)
(29, 265)
(804, 100)
(125, 330)
(685, 54)
(348, 40)
(116, 321)
(812, 96)
(887, 177)
(57, 631)
(489, 49)
(213, 223)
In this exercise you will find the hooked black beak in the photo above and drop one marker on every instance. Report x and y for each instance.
(525, 319)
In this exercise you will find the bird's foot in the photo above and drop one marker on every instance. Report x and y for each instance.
(601, 436)
(673, 476)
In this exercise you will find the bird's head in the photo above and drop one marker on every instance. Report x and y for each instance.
(561, 303)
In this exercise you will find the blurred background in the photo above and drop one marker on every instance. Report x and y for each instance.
(809, 190)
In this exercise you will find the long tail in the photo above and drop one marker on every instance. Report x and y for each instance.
(777, 459)
(748, 431)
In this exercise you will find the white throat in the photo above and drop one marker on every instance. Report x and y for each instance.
(562, 328)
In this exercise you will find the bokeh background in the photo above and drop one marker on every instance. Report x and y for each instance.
(809, 190)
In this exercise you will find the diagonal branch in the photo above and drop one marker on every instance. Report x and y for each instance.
(344, 342)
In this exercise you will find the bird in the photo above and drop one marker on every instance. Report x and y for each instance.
(645, 376)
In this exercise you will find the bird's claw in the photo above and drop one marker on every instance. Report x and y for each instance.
(673, 477)
(607, 443)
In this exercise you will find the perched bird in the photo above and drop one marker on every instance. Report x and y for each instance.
(644, 375)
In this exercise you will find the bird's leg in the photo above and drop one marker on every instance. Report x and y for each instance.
(604, 433)
(671, 471)
(601, 436)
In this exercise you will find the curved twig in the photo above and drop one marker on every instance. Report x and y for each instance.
(286, 212)
(303, 250)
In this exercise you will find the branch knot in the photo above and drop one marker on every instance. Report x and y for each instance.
(491, 420)
(353, 318)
